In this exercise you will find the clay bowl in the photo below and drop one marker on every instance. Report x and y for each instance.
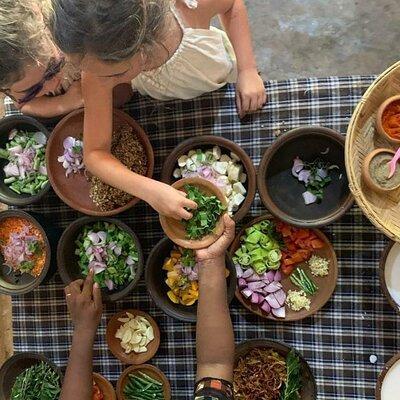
(74, 190)
(12, 283)
(367, 176)
(389, 256)
(309, 386)
(326, 284)
(151, 371)
(105, 386)
(206, 142)
(378, 388)
(379, 114)
(157, 288)
(114, 344)
(67, 260)
(175, 230)
(17, 364)
(24, 123)
(280, 191)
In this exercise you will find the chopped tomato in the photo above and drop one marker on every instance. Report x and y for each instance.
(97, 393)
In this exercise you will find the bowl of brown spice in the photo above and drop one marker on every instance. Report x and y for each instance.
(75, 185)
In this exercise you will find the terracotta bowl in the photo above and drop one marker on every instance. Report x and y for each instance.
(280, 191)
(17, 364)
(227, 146)
(114, 344)
(74, 190)
(309, 386)
(105, 386)
(13, 284)
(387, 255)
(175, 230)
(157, 288)
(366, 174)
(379, 114)
(151, 371)
(382, 375)
(326, 284)
(22, 122)
(67, 260)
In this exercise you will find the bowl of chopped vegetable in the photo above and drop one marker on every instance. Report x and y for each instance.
(172, 280)
(302, 177)
(206, 225)
(222, 162)
(25, 253)
(102, 388)
(75, 185)
(23, 172)
(284, 273)
(139, 379)
(108, 246)
(268, 369)
(133, 336)
(30, 376)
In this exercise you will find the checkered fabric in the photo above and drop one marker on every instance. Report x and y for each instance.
(337, 342)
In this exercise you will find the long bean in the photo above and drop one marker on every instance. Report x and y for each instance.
(303, 281)
(143, 387)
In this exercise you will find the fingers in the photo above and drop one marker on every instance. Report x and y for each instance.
(229, 233)
(74, 287)
(239, 104)
(98, 303)
(246, 101)
(88, 284)
(183, 214)
(192, 205)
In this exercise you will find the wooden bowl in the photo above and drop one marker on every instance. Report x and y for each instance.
(155, 281)
(326, 284)
(74, 190)
(367, 175)
(227, 146)
(67, 260)
(389, 256)
(378, 388)
(13, 284)
(149, 370)
(105, 386)
(175, 230)
(22, 122)
(114, 344)
(309, 387)
(382, 210)
(379, 115)
(280, 191)
(17, 364)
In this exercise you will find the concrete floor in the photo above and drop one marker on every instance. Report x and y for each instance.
(315, 38)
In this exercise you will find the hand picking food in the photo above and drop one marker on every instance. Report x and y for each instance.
(205, 217)
(263, 373)
(22, 246)
(135, 333)
(143, 386)
(110, 251)
(223, 170)
(26, 171)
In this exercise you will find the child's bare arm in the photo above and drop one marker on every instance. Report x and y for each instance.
(48, 107)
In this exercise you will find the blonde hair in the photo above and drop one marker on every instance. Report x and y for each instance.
(24, 37)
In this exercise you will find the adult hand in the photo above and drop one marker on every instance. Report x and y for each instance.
(84, 304)
(170, 202)
(250, 92)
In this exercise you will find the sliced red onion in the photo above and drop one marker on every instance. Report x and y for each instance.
(110, 284)
(298, 165)
(254, 298)
(278, 276)
(130, 261)
(43, 170)
(247, 273)
(71, 159)
(97, 266)
(304, 176)
(273, 287)
(272, 301)
(239, 271)
(118, 250)
(254, 286)
(242, 283)
(322, 173)
(280, 296)
(102, 236)
(254, 278)
(270, 275)
(94, 237)
(246, 293)
(12, 134)
(309, 198)
(279, 312)
(11, 170)
(266, 307)
(40, 138)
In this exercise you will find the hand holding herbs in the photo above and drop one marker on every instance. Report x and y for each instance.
(205, 217)
(110, 251)
(26, 171)
(39, 382)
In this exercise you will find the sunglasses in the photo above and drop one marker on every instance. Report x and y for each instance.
(53, 68)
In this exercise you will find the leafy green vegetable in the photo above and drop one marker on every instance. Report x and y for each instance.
(303, 281)
(260, 248)
(292, 385)
(316, 183)
(205, 217)
(39, 382)
(188, 258)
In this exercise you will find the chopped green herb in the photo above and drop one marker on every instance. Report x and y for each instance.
(292, 385)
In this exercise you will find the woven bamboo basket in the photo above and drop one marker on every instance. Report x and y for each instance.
(382, 210)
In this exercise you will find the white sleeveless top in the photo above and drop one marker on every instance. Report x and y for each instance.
(204, 61)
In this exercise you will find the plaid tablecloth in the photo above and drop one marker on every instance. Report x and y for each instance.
(337, 342)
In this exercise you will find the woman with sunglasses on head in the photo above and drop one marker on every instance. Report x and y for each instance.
(33, 72)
